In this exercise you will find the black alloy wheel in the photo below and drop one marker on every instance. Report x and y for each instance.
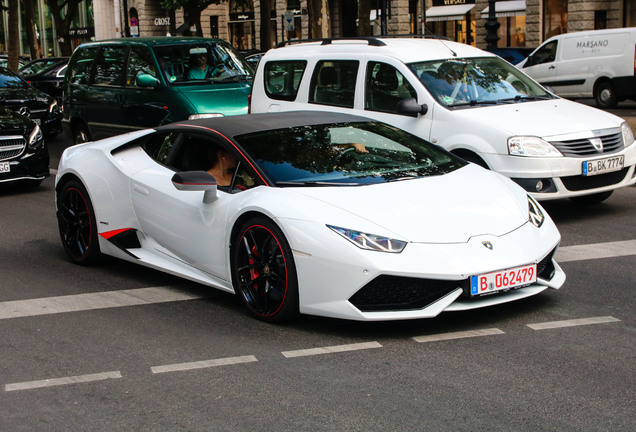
(264, 273)
(76, 222)
(81, 134)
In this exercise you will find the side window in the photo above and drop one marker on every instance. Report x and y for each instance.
(80, 69)
(334, 83)
(385, 87)
(282, 78)
(546, 54)
(109, 66)
(159, 147)
(139, 62)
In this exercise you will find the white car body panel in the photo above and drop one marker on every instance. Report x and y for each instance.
(457, 213)
(483, 130)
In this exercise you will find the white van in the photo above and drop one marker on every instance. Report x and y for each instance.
(597, 63)
(466, 100)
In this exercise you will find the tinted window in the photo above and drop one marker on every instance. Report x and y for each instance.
(334, 83)
(385, 87)
(139, 62)
(80, 69)
(109, 66)
(282, 78)
(9, 80)
(546, 54)
(345, 153)
(193, 63)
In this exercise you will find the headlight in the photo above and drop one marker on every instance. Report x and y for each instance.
(200, 116)
(535, 215)
(628, 136)
(370, 241)
(35, 137)
(531, 146)
(53, 107)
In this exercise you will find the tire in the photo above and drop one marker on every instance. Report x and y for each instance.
(81, 134)
(592, 199)
(263, 271)
(605, 95)
(76, 223)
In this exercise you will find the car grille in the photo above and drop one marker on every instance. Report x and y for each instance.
(395, 293)
(578, 182)
(583, 147)
(11, 146)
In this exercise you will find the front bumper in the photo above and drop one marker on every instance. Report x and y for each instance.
(562, 177)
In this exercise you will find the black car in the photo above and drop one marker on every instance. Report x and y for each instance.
(46, 75)
(24, 156)
(17, 95)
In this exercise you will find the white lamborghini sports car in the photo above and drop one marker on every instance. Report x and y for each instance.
(313, 212)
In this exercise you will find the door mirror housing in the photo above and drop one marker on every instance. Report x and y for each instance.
(147, 80)
(410, 107)
(196, 181)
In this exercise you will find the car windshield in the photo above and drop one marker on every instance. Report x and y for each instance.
(193, 63)
(37, 66)
(345, 154)
(9, 80)
(472, 82)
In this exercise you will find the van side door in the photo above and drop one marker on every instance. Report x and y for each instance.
(103, 98)
(142, 105)
(541, 65)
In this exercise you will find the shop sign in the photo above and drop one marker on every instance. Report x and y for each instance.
(452, 2)
(162, 21)
(81, 32)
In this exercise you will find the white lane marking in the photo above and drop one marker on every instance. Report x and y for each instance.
(331, 349)
(458, 335)
(203, 364)
(596, 251)
(89, 301)
(62, 381)
(573, 322)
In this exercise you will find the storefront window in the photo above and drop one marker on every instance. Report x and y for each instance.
(512, 31)
(241, 25)
(555, 18)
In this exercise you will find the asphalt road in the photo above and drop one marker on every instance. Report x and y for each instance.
(117, 347)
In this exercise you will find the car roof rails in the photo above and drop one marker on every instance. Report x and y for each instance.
(371, 40)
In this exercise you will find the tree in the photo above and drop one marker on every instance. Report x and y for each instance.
(14, 35)
(29, 13)
(192, 9)
(266, 25)
(364, 18)
(318, 18)
(63, 13)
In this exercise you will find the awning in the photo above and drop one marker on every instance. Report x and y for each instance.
(507, 8)
(448, 13)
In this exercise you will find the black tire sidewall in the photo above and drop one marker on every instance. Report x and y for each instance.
(290, 307)
(92, 253)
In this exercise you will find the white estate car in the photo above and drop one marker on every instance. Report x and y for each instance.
(461, 98)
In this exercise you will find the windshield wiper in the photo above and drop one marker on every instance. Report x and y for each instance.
(475, 102)
(520, 98)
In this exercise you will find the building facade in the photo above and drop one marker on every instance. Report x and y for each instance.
(522, 23)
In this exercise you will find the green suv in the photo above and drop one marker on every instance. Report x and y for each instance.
(116, 86)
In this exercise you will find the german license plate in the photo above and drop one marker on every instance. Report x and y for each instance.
(605, 165)
(503, 280)
(5, 167)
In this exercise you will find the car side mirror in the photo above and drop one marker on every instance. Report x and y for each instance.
(196, 181)
(410, 107)
(147, 80)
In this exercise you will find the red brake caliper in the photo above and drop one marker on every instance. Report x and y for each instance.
(254, 272)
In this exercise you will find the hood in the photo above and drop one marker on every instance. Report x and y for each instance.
(12, 122)
(227, 99)
(542, 118)
(450, 208)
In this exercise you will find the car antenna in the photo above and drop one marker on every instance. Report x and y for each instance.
(449, 48)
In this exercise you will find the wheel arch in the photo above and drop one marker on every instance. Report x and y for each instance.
(470, 156)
